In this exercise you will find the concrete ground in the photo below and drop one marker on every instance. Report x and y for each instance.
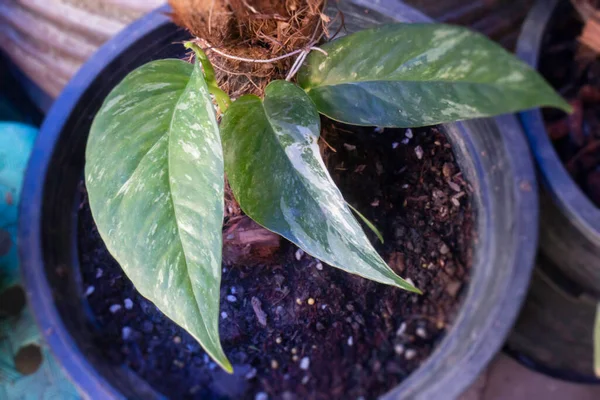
(506, 379)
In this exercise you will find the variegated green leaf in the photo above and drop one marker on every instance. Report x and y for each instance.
(154, 174)
(276, 173)
(408, 75)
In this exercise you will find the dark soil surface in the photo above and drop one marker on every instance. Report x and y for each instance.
(327, 334)
(574, 71)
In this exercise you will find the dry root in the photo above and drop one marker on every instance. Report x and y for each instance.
(251, 29)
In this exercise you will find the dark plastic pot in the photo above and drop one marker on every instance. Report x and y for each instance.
(553, 335)
(492, 154)
(554, 332)
(569, 221)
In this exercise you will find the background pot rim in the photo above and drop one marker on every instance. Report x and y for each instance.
(564, 190)
(419, 385)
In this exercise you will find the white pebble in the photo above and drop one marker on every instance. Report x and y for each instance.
(299, 254)
(261, 396)
(126, 332)
(409, 133)
(410, 354)
(324, 306)
(305, 379)
(419, 152)
(319, 266)
(401, 329)
(231, 298)
(395, 144)
(421, 332)
(399, 349)
(224, 269)
(405, 141)
(224, 315)
(305, 363)
(99, 273)
(128, 303)
(115, 308)
(89, 290)
(233, 290)
(350, 341)
(251, 374)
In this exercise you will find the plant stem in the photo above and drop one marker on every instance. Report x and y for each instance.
(367, 222)
(222, 98)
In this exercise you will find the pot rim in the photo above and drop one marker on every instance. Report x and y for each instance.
(418, 384)
(564, 190)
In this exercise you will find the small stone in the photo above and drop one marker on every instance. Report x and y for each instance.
(258, 311)
(128, 303)
(379, 129)
(298, 301)
(231, 298)
(274, 364)
(261, 396)
(399, 349)
(305, 363)
(311, 301)
(455, 201)
(349, 147)
(305, 379)
(115, 308)
(444, 249)
(350, 341)
(323, 306)
(320, 326)
(410, 354)
(349, 307)
(319, 266)
(224, 315)
(405, 141)
(409, 133)
(295, 358)
(178, 363)
(251, 374)
(89, 290)
(421, 332)
(278, 340)
(447, 170)
(126, 333)
(419, 152)
(299, 254)
(375, 203)
(224, 269)
(395, 145)
(99, 273)
(454, 186)
(294, 350)
(401, 329)
(212, 366)
(176, 340)
(233, 290)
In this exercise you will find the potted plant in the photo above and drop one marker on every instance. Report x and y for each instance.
(565, 147)
(293, 326)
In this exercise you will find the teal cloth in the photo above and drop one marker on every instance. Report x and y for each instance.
(48, 381)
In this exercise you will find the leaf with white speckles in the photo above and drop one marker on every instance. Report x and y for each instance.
(154, 174)
(409, 75)
(276, 173)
